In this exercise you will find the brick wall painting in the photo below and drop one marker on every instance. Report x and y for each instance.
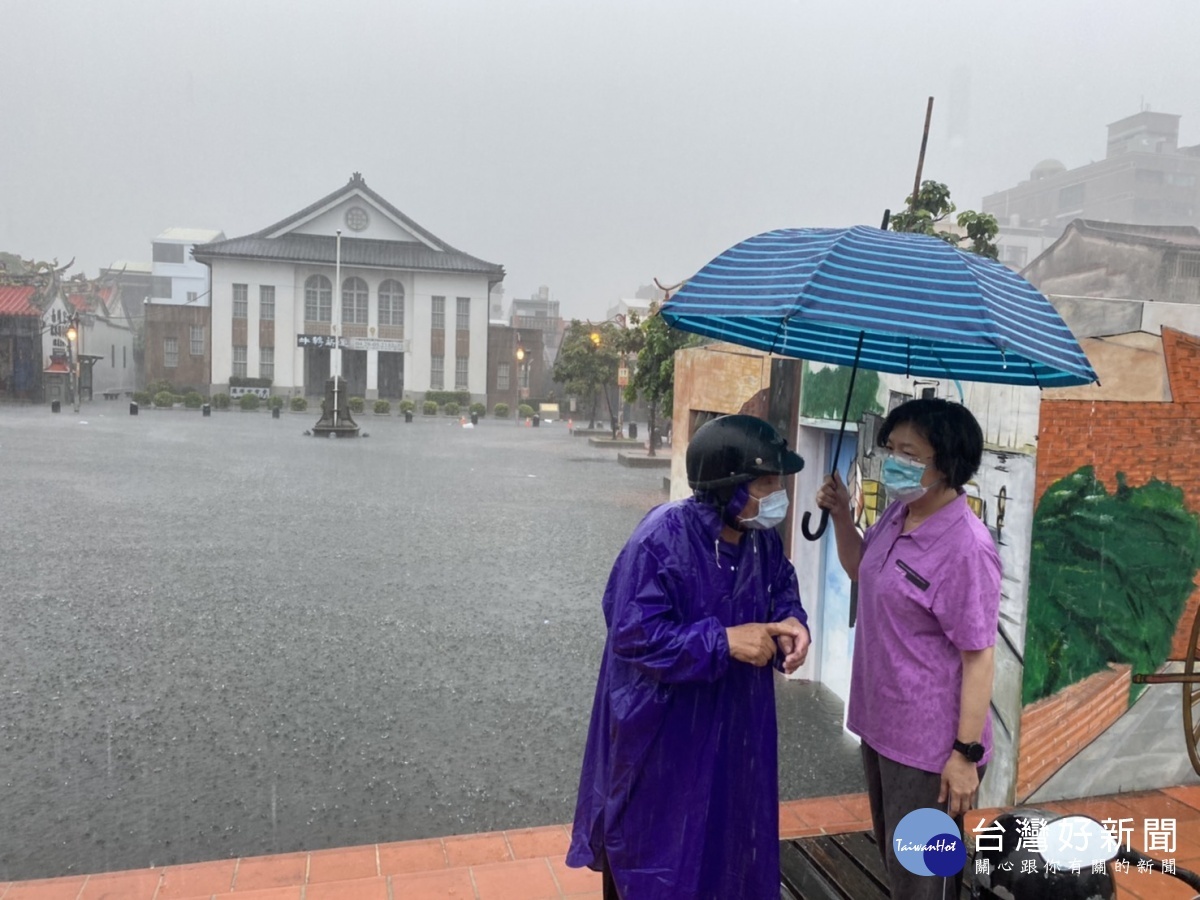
(1118, 487)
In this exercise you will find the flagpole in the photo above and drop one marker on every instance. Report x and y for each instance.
(335, 355)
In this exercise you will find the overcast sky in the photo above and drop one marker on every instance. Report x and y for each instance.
(588, 146)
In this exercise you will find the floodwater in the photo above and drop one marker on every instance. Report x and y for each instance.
(223, 638)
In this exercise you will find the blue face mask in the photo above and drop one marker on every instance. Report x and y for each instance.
(902, 479)
(771, 510)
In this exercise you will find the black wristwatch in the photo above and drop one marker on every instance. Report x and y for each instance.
(972, 751)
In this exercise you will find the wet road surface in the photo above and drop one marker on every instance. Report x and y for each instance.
(222, 638)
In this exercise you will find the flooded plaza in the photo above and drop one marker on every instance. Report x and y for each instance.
(222, 638)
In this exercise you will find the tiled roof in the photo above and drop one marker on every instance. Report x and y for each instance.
(322, 249)
(86, 302)
(17, 300)
(1186, 235)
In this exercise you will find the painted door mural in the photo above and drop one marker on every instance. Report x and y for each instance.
(837, 636)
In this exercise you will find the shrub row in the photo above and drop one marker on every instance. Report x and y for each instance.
(441, 398)
(164, 398)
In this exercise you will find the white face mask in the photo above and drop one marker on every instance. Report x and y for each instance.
(771, 510)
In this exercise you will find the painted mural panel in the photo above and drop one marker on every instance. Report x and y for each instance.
(1001, 494)
(1111, 573)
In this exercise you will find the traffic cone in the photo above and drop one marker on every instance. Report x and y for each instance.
(462, 420)
(529, 423)
(570, 426)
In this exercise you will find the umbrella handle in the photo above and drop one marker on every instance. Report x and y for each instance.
(813, 535)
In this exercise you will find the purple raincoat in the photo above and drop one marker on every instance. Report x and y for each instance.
(679, 790)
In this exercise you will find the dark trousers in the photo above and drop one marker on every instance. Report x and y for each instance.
(609, 887)
(895, 790)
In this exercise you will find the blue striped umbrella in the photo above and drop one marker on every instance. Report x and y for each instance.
(919, 306)
(893, 302)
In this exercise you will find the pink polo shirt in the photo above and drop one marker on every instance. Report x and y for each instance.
(923, 598)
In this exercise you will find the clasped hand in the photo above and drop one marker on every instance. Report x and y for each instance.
(756, 642)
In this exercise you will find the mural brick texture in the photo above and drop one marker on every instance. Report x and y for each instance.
(1055, 729)
(1143, 441)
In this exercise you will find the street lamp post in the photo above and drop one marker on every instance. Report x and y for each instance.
(73, 361)
(519, 379)
(618, 420)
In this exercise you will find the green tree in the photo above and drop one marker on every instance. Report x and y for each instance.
(931, 208)
(587, 361)
(1108, 579)
(654, 378)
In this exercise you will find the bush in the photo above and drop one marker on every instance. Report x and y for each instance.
(164, 399)
(479, 409)
(430, 408)
(220, 401)
(157, 387)
(274, 402)
(462, 398)
(355, 404)
(451, 408)
(299, 404)
(500, 410)
(525, 410)
(143, 398)
(383, 407)
(193, 400)
(406, 406)
(249, 402)
(243, 381)
(176, 399)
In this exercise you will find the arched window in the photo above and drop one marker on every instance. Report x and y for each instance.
(318, 299)
(391, 303)
(354, 301)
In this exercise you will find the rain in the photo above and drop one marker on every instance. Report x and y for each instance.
(221, 638)
(226, 639)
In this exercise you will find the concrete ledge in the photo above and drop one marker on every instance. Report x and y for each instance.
(642, 461)
(591, 432)
(619, 443)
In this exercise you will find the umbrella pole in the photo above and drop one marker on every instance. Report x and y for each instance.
(837, 452)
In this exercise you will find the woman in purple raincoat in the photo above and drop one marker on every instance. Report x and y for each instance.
(679, 794)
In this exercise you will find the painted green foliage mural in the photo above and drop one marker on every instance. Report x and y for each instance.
(1109, 576)
(823, 393)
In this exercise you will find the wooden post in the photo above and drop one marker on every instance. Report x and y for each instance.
(921, 158)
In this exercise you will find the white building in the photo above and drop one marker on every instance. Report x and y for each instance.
(176, 277)
(401, 290)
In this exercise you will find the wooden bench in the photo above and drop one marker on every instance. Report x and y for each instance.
(112, 395)
(837, 867)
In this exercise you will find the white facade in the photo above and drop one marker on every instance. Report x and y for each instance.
(100, 334)
(288, 281)
(378, 244)
(177, 278)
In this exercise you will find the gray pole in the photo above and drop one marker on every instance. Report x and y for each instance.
(335, 355)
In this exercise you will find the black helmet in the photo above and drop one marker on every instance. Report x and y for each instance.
(730, 450)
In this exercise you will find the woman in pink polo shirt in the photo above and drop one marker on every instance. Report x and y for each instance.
(929, 600)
